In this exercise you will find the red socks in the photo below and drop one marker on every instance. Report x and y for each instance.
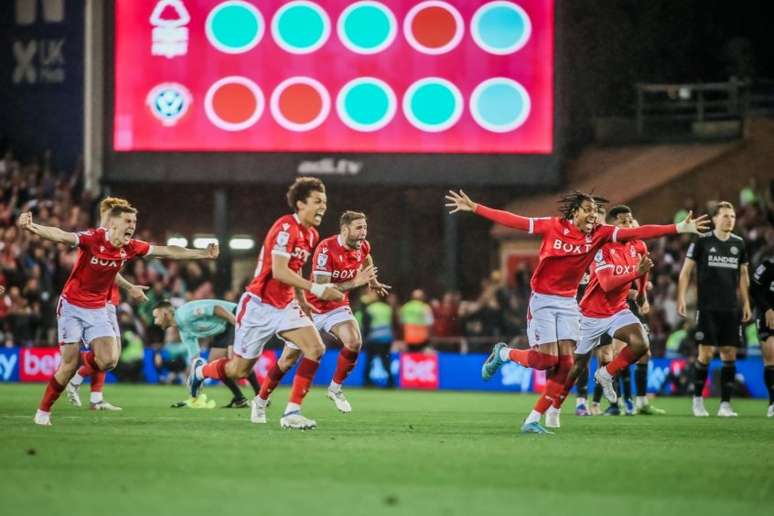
(552, 394)
(622, 360)
(98, 381)
(89, 366)
(303, 380)
(560, 378)
(344, 366)
(533, 359)
(215, 370)
(271, 381)
(53, 390)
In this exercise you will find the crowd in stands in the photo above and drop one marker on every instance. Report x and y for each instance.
(34, 271)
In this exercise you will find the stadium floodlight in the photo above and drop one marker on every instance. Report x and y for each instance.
(202, 241)
(177, 240)
(241, 243)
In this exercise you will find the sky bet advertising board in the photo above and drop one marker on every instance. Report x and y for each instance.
(387, 76)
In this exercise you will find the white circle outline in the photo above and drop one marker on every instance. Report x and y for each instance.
(393, 22)
(231, 50)
(392, 105)
(456, 114)
(325, 109)
(427, 50)
(474, 30)
(296, 50)
(230, 126)
(494, 127)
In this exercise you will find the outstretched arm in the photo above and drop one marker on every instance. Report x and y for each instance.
(461, 202)
(46, 232)
(175, 252)
(136, 292)
(224, 314)
(688, 225)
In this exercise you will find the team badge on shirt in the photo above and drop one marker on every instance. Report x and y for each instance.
(322, 259)
(734, 250)
(283, 237)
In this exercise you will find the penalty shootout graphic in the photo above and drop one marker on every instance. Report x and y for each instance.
(385, 76)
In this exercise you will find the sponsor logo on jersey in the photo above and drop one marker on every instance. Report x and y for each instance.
(105, 263)
(727, 262)
(169, 102)
(569, 248)
(344, 275)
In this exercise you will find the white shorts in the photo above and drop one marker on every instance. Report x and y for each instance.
(326, 321)
(258, 322)
(592, 328)
(111, 311)
(76, 324)
(552, 318)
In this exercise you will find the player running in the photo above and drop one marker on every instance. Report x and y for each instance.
(343, 260)
(604, 310)
(269, 307)
(762, 290)
(720, 260)
(206, 318)
(81, 313)
(136, 292)
(553, 320)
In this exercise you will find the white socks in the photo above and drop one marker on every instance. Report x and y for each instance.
(292, 407)
(76, 380)
(335, 387)
(95, 397)
(641, 401)
(580, 401)
(504, 354)
(534, 417)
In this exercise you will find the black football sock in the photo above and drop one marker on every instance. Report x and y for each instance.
(699, 378)
(626, 382)
(727, 380)
(641, 379)
(234, 388)
(768, 379)
(582, 384)
(254, 383)
(597, 393)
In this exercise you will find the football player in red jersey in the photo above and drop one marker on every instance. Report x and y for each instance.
(270, 307)
(605, 310)
(81, 313)
(344, 260)
(569, 244)
(96, 398)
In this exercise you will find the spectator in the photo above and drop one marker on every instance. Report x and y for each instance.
(378, 337)
(416, 317)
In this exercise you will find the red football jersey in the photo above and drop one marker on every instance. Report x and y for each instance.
(287, 237)
(611, 275)
(566, 252)
(334, 259)
(115, 295)
(96, 267)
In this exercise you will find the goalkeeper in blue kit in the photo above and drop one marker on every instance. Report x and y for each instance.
(206, 318)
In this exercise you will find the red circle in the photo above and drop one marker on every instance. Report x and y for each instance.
(300, 103)
(434, 27)
(234, 103)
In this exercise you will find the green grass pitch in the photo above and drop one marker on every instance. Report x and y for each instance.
(398, 453)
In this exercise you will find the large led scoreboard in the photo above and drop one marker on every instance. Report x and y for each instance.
(421, 91)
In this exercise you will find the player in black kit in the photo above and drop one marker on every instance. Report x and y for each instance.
(762, 290)
(720, 260)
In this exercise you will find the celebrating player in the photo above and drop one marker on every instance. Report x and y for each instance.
(762, 290)
(553, 321)
(605, 310)
(81, 313)
(343, 260)
(206, 318)
(269, 307)
(97, 401)
(720, 260)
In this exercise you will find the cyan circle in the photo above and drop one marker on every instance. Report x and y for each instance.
(234, 26)
(367, 27)
(501, 27)
(301, 26)
(500, 104)
(433, 104)
(366, 104)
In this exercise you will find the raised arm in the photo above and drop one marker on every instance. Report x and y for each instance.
(281, 272)
(461, 202)
(224, 314)
(689, 225)
(175, 252)
(46, 232)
